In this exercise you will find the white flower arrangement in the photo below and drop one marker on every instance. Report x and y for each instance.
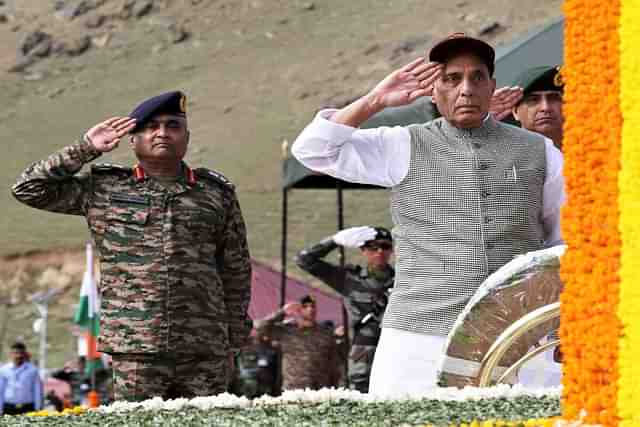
(226, 400)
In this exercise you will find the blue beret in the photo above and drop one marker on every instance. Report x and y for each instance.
(167, 103)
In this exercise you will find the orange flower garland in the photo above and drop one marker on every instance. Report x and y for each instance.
(590, 328)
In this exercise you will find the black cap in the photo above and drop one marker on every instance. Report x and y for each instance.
(458, 43)
(18, 346)
(381, 234)
(545, 77)
(166, 103)
(307, 299)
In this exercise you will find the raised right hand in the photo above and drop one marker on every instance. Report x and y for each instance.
(503, 101)
(106, 136)
(406, 84)
(354, 237)
(292, 308)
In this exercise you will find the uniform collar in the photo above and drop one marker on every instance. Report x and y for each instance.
(189, 176)
(364, 272)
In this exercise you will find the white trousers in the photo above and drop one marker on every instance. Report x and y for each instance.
(405, 363)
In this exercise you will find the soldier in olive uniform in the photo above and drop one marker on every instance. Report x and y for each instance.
(257, 368)
(364, 290)
(308, 349)
(175, 268)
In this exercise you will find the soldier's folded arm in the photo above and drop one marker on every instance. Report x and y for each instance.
(235, 271)
(54, 184)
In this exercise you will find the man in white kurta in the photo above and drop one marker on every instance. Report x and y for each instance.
(467, 194)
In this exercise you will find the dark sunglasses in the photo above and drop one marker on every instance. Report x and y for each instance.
(376, 246)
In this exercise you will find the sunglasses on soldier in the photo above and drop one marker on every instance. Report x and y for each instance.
(374, 246)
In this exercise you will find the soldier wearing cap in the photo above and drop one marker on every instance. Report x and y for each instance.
(365, 290)
(540, 108)
(174, 261)
(468, 193)
(308, 349)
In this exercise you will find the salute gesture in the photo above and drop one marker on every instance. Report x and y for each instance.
(401, 87)
(106, 136)
(503, 101)
(292, 308)
(406, 84)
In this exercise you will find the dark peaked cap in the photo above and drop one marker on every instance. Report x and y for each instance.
(166, 103)
(457, 43)
(382, 234)
(540, 78)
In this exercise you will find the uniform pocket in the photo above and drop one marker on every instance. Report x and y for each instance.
(126, 221)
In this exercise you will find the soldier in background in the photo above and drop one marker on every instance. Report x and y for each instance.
(342, 348)
(364, 290)
(257, 368)
(540, 108)
(308, 349)
(175, 268)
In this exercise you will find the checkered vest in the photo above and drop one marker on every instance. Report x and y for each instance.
(471, 201)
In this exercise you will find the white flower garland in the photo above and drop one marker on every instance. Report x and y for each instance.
(226, 400)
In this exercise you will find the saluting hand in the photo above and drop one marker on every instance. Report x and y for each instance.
(407, 84)
(503, 101)
(292, 308)
(106, 136)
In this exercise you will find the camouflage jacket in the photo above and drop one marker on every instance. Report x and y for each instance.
(175, 267)
(365, 295)
(309, 355)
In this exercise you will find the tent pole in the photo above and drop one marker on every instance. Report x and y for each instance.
(283, 253)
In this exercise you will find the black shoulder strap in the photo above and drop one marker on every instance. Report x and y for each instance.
(214, 176)
(110, 168)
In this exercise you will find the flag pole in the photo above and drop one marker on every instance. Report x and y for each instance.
(93, 399)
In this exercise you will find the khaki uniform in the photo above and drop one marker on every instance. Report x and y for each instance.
(174, 261)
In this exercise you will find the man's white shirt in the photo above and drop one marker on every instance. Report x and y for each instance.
(381, 156)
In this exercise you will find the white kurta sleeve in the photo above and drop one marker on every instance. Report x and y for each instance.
(377, 156)
(553, 196)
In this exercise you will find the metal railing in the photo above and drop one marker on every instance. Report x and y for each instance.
(509, 336)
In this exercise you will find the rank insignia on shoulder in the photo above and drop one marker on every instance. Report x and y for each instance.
(214, 176)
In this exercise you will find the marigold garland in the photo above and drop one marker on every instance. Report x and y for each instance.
(590, 328)
(535, 422)
(76, 410)
(629, 202)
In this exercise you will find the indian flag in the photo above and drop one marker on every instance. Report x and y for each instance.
(88, 313)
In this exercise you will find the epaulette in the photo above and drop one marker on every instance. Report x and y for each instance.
(214, 176)
(110, 167)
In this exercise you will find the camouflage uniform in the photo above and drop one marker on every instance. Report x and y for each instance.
(175, 267)
(365, 297)
(308, 354)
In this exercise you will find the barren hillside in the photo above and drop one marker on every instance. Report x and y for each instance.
(254, 71)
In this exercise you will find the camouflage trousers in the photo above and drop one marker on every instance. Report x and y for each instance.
(137, 377)
(360, 361)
